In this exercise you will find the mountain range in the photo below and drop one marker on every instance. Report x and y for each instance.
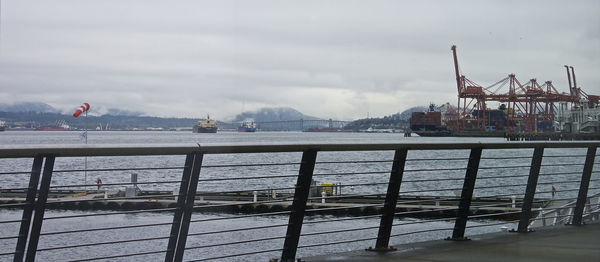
(31, 114)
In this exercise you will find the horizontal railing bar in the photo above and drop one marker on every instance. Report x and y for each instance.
(118, 184)
(564, 164)
(425, 221)
(109, 199)
(562, 182)
(502, 167)
(354, 161)
(236, 230)
(116, 169)
(238, 204)
(7, 254)
(495, 215)
(494, 224)
(248, 165)
(235, 242)
(103, 243)
(11, 221)
(22, 151)
(22, 204)
(435, 169)
(517, 196)
(436, 159)
(338, 242)
(238, 255)
(352, 173)
(563, 199)
(341, 219)
(345, 196)
(16, 188)
(16, 173)
(432, 190)
(240, 217)
(421, 231)
(505, 157)
(565, 156)
(431, 180)
(249, 191)
(497, 186)
(338, 231)
(341, 208)
(493, 177)
(556, 174)
(113, 213)
(244, 178)
(103, 229)
(120, 256)
(11, 237)
(356, 185)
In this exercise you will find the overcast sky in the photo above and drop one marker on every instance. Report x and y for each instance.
(330, 59)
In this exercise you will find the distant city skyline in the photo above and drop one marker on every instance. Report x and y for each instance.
(329, 59)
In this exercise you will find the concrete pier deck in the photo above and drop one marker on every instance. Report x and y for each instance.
(561, 243)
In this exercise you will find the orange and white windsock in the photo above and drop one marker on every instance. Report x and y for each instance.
(81, 109)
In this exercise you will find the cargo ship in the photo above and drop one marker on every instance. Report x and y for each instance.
(581, 122)
(429, 123)
(205, 126)
(247, 126)
(61, 125)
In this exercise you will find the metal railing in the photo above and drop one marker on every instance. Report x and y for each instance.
(249, 202)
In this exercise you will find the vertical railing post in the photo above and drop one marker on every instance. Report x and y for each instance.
(301, 193)
(34, 180)
(534, 172)
(40, 208)
(467, 194)
(177, 216)
(391, 199)
(584, 185)
(186, 216)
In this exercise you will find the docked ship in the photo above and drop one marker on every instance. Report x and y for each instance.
(247, 126)
(429, 123)
(205, 126)
(2, 125)
(60, 125)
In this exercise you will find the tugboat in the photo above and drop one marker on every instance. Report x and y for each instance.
(247, 126)
(205, 126)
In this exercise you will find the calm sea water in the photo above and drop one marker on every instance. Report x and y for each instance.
(337, 173)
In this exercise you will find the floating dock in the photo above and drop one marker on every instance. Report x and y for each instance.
(247, 202)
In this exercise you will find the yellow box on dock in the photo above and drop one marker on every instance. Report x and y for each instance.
(327, 188)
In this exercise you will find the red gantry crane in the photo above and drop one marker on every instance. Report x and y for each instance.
(528, 107)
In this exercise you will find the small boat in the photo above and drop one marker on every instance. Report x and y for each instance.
(247, 126)
(205, 126)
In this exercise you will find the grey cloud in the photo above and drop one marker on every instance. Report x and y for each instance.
(334, 58)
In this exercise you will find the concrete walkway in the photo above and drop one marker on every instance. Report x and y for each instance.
(561, 243)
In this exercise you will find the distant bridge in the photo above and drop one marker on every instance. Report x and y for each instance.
(292, 125)
(300, 125)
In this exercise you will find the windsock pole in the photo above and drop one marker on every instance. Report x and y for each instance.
(84, 108)
(85, 158)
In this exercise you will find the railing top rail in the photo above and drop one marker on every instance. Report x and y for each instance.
(19, 151)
